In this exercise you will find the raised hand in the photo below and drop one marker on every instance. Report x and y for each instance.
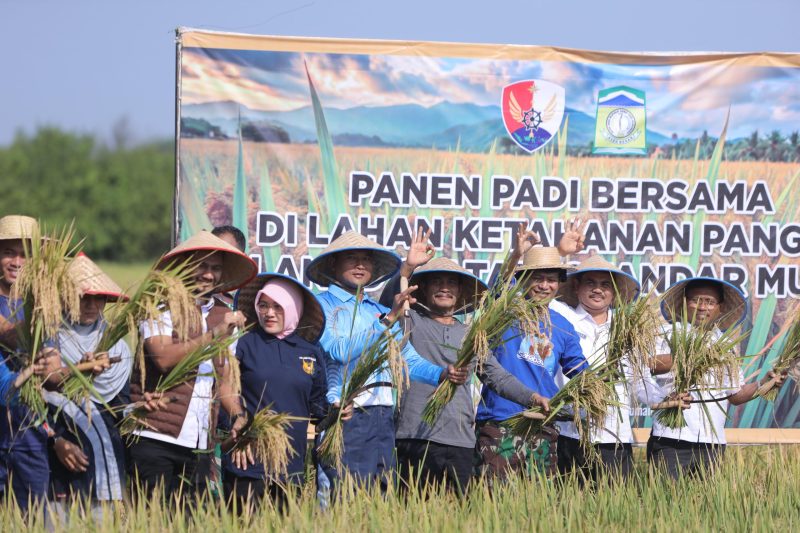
(399, 300)
(524, 240)
(572, 240)
(419, 252)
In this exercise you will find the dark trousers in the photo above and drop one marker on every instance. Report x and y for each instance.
(678, 457)
(178, 469)
(247, 492)
(27, 473)
(615, 459)
(369, 444)
(425, 462)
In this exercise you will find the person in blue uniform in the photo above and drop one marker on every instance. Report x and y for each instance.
(282, 368)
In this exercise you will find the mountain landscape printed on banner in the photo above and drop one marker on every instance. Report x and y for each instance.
(442, 125)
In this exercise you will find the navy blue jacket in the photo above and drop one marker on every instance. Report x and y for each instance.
(288, 376)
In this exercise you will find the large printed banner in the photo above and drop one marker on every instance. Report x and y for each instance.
(684, 164)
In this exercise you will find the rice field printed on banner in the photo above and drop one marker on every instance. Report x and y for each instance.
(296, 142)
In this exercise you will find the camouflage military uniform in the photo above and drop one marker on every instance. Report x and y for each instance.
(499, 452)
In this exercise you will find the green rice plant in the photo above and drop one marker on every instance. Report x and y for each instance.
(788, 357)
(266, 435)
(701, 360)
(48, 295)
(633, 333)
(184, 371)
(500, 308)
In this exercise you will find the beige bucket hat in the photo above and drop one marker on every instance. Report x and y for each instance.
(386, 262)
(312, 322)
(543, 258)
(13, 227)
(626, 285)
(733, 308)
(91, 280)
(472, 287)
(237, 268)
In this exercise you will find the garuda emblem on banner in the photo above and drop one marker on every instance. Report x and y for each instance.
(532, 112)
(621, 122)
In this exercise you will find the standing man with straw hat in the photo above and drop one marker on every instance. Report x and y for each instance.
(348, 266)
(87, 456)
(171, 451)
(23, 445)
(715, 307)
(542, 270)
(588, 299)
(443, 452)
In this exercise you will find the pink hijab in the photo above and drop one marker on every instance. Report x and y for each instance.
(288, 296)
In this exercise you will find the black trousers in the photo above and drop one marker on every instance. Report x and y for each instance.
(678, 457)
(614, 458)
(246, 492)
(427, 462)
(178, 469)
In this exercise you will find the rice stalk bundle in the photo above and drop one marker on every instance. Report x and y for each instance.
(584, 400)
(788, 357)
(269, 440)
(499, 309)
(382, 353)
(186, 370)
(700, 361)
(632, 336)
(48, 295)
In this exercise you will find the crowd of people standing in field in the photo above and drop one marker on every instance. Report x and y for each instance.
(299, 351)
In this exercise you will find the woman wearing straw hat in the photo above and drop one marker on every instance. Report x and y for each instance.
(281, 368)
(23, 445)
(167, 451)
(588, 299)
(543, 271)
(87, 456)
(715, 306)
(443, 452)
(348, 266)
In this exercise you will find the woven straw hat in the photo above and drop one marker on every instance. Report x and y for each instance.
(543, 258)
(472, 287)
(386, 262)
(237, 268)
(14, 227)
(311, 323)
(626, 285)
(91, 280)
(733, 308)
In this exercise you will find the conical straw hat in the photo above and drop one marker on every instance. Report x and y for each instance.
(472, 287)
(543, 258)
(733, 308)
(386, 263)
(311, 323)
(626, 285)
(14, 227)
(237, 268)
(91, 280)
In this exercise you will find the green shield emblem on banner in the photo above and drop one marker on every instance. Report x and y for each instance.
(620, 127)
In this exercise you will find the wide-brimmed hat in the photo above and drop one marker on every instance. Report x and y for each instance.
(472, 287)
(13, 227)
(733, 308)
(626, 285)
(385, 262)
(543, 258)
(91, 280)
(237, 268)
(312, 322)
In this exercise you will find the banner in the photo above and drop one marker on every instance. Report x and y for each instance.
(684, 164)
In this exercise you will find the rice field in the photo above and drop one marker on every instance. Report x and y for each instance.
(756, 489)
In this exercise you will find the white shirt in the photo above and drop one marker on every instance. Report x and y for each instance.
(705, 422)
(194, 432)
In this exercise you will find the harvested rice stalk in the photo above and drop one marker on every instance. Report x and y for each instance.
(786, 359)
(183, 372)
(632, 336)
(701, 361)
(500, 308)
(375, 359)
(584, 400)
(266, 434)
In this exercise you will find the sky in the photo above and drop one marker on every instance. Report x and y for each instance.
(88, 65)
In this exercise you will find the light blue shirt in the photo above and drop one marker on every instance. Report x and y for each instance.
(347, 336)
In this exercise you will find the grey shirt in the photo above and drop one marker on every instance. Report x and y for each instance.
(439, 344)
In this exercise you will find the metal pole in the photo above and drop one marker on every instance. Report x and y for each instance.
(176, 198)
